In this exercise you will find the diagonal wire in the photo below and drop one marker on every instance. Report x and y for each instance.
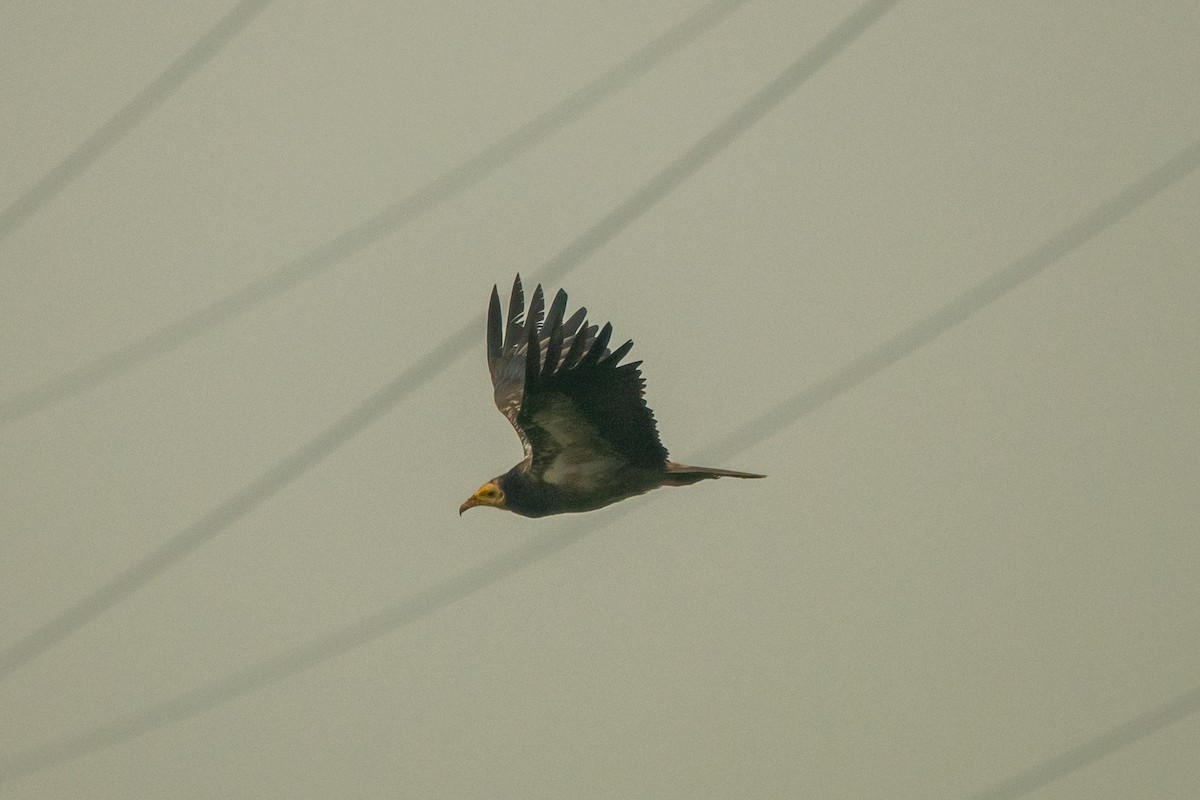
(762, 427)
(977, 297)
(436, 361)
(1094, 749)
(403, 211)
(137, 109)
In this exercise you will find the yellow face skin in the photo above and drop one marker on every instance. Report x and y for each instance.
(487, 495)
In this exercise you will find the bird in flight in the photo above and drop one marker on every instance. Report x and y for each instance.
(589, 437)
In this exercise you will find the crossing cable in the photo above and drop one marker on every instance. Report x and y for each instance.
(1129, 732)
(296, 463)
(981, 294)
(433, 194)
(762, 427)
(128, 116)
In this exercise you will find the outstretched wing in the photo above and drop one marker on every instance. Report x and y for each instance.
(508, 342)
(577, 409)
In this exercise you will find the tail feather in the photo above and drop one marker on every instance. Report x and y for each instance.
(684, 474)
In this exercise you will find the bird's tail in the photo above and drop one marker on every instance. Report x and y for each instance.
(684, 475)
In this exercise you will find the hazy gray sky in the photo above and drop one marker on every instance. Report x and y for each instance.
(931, 266)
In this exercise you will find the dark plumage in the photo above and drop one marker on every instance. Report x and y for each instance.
(589, 437)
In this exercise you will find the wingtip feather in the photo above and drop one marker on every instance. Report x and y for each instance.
(495, 327)
(598, 345)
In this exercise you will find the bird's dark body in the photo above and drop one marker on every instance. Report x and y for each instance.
(590, 440)
(533, 498)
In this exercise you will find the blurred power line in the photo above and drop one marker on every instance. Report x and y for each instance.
(129, 115)
(436, 361)
(970, 302)
(348, 242)
(1094, 749)
(764, 426)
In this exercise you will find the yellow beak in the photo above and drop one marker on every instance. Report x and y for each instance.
(487, 495)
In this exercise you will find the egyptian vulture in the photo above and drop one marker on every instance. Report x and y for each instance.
(589, 437)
